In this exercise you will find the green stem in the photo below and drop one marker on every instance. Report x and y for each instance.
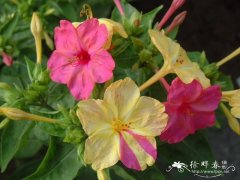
(229, 57)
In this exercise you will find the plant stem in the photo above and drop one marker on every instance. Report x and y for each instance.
(156, 77)
(229, 57)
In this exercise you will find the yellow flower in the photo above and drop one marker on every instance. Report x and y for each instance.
(122, 126)
(232, 121)
(233, 97)
(175, 61)
(112, 27)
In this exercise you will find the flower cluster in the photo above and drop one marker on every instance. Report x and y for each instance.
(123, 125)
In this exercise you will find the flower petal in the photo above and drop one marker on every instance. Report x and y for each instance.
(236, 111)
(208, 101)
(65, 37)
(60, 69)
(102, 150)
(112, 27)
(181, 124)
(147, 117)
(81, 83)
(117, 98)
(168, 48)
(94, 116)
(190, 71)
(102, 66)
(188, 93)
(133, 152)
(93, 35)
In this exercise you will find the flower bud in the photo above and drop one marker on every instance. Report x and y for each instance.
(174, 6)
(13, 113)
(36, 29)
(74, 135)
(119, 6)
(7, 59)
(177, 21)
(17, 114)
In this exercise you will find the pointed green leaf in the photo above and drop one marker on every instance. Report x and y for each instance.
(11, 139)
(60, 163)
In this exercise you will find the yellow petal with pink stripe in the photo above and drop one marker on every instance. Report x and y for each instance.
(136, 152)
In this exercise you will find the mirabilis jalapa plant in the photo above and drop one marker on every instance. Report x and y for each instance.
(108, 66)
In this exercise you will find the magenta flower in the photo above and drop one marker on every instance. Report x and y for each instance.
(189, 107)
(80, 60)
(7, 59)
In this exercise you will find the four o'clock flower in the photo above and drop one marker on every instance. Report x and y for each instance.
(80, 60)
(7, 59)
(189, 107)
(233, 97)
(122, 127)
(175, 61)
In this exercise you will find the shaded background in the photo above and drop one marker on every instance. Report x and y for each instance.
(212, 26)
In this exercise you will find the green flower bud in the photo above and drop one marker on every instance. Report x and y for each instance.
(145, 55)
(43, 77)
(74, 135)
(210, 70)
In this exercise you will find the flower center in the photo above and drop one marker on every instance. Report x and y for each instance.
(80, 58)
(120, 126)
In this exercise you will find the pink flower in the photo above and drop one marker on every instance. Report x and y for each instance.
(80, 60)
(189, 107)
(7, 59)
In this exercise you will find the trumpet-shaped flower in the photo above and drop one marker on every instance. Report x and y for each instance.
(80, 60)
(122, 127)
(233, 97)
(189, 107)
(175, 61)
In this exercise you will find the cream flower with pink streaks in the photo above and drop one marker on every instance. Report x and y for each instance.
(80, 60)
(122, 127)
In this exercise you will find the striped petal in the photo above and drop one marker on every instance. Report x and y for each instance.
(136, 152)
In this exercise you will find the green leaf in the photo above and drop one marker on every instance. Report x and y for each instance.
(8, 28)
(224, 81)
(52, 129)
(148, 18)
(60, 163)
(30, 67)
(11, 140)
(120, 172)
(138, 75)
